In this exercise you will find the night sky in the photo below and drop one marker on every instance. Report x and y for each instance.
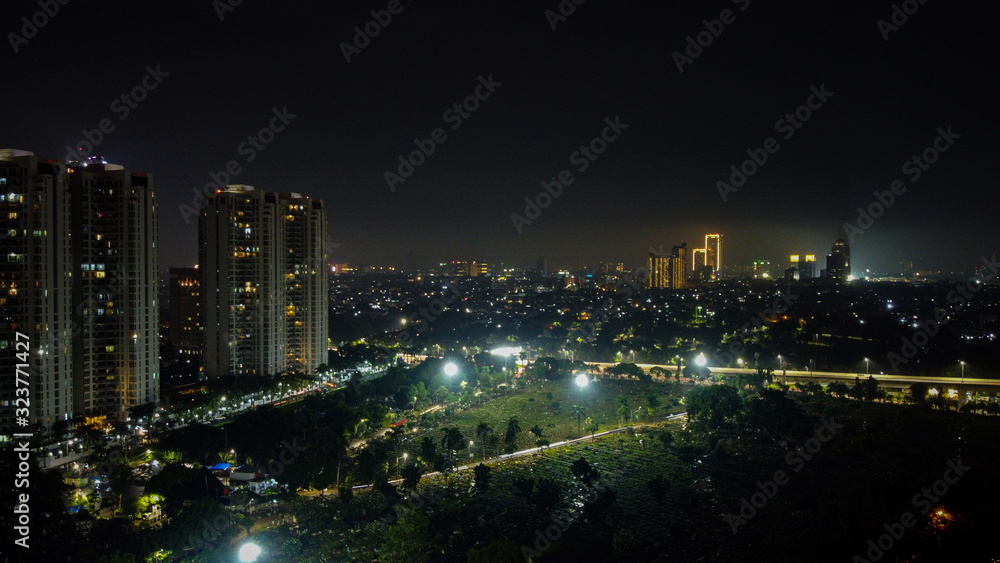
(654, 185)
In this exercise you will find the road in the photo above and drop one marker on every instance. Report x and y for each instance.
(885, 380)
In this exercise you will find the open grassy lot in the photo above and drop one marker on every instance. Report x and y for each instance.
(549, 405)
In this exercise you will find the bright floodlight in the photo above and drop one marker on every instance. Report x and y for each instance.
(700, 360)
(581, 380)
(249, 552)
(506, 351)
(450, 369)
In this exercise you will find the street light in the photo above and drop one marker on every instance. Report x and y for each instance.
(450, 369)
(963, 371)
(867, 371)
(581, 380)
(249, 552)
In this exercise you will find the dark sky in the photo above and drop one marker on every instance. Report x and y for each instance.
(655, 185)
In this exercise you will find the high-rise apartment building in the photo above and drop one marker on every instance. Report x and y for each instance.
(697, 259)
(678, 267)
(262, 261)
(35, 289)
(659, 270)
(838, 262)
(116, 350)
(713, 252)
(306, 283)
(185, 310)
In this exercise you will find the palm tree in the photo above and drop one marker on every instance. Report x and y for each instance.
(452, 439)
(579, 412)
(623, 412)
(513, 429)
(483, 432)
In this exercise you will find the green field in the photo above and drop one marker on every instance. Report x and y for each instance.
(531, 406)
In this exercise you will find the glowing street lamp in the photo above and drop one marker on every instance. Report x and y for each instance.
(249, 552)
(701, 360)
(450, 369)
(963, 371)
(581, 380)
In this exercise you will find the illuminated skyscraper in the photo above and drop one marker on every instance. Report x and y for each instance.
(713, 252)
(838, 262)
(116, 355)
(805, 268)
(678, 267)
(659, 270)
(35, 288)
(185, 315)
(698, 259)
(262, 258)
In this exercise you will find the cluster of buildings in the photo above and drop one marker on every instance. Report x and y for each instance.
(670, 271)
(675, 271)
(79, 286)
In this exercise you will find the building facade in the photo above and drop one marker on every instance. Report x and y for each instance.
(262, 262)
(116, 352)
(35, 290)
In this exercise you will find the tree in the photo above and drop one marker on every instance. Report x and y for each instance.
(411, 476)
(440, 394)
(428, 450)
(666, 438)
(837, 388)
(918, 392)
(452, 439)
(513, 429)
(483, 432)
(525, 486)
(482, 473)
(537, 431)
(624, 413)
(592, 427)
(714, 404)
(583, 471)
(579, 412)
(407, 541)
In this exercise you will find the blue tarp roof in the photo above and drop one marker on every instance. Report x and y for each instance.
(219, 467)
